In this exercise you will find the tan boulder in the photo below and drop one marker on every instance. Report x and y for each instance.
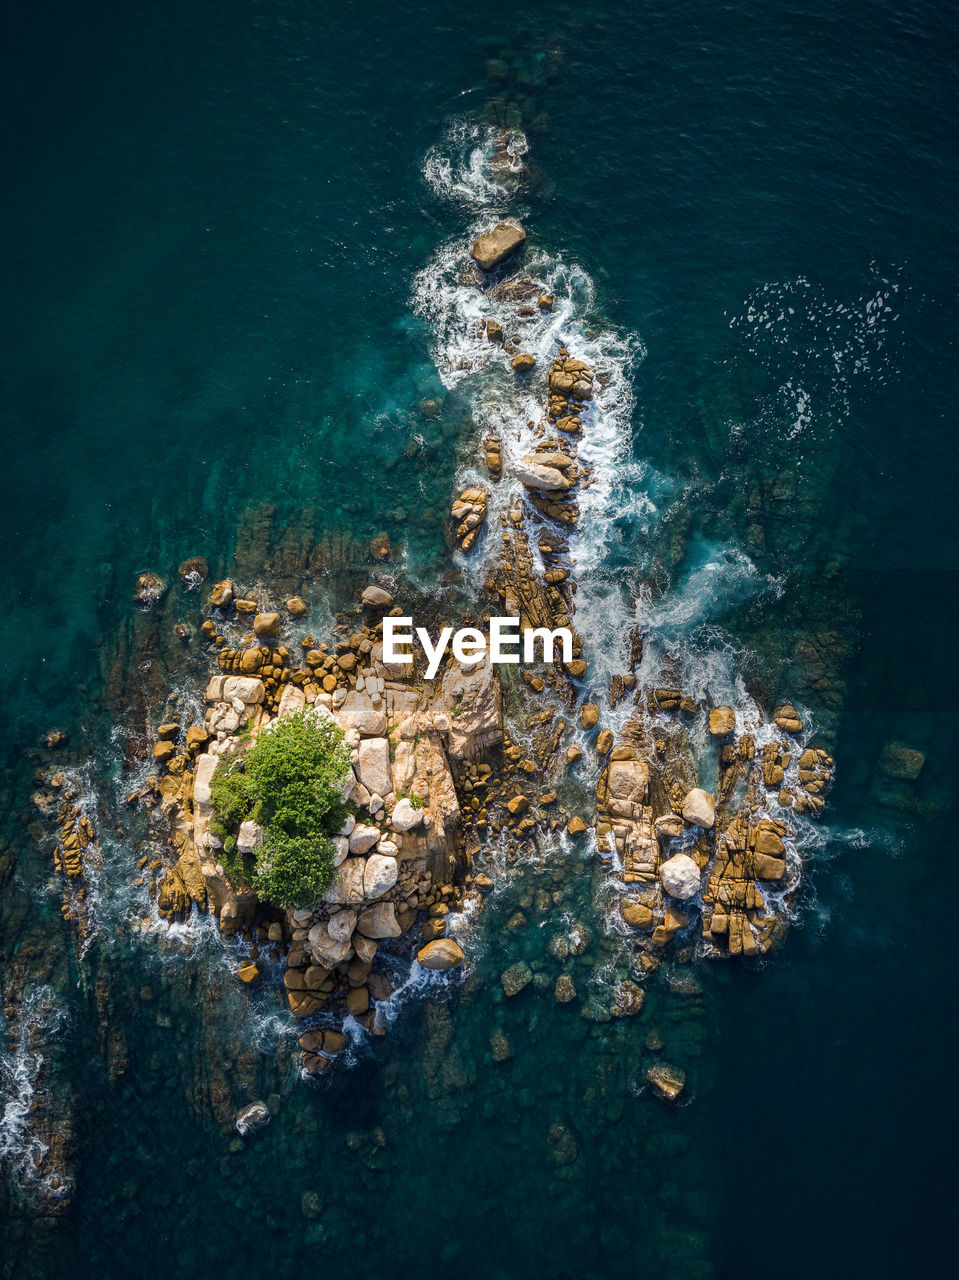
(628, 780)
(722, 721)
(266, 624)
(250, 661)
(376, 597)
(769, 868)
(441, 953)
(379, 922)
(787, 718)
(669, 826)
(493, 247)
(534, 476)
(699, 808)
(636, 914)
(347, 889)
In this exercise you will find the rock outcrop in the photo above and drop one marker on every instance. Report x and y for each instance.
(494, 247)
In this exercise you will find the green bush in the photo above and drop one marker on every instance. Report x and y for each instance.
(290, 781)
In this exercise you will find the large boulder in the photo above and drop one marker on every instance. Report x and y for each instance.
(669, 826)
(787, 718)
(535, 476)
(249, 837)
(249, 689)
(347, 889)
(292, 699)
(722, 721)
(768, 867)
(636, 914)
(380, 875)
(266, 625)
(373, 765)
(327, 950)
(214, 690)
(405, 817)
(202, 776)
(699, 808)
(376, 597)
(441, 953)
(628, 780)
(379, 921)
(362, 838)
(366, 720)
(222, 595)
(666, 1081)
(493, 247)
(341, 925)
(471, 702)
(680, 876)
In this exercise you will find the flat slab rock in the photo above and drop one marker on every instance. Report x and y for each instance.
(495, 246)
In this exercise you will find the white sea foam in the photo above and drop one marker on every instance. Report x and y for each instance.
(460, 167)
(41, 1018)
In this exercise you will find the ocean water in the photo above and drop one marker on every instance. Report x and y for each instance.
(233, 329)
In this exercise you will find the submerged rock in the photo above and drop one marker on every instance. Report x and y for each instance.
(516, 977)
(150, 588)
(564, 990)
(667, 1082)
(899, 761)
(252, 1117)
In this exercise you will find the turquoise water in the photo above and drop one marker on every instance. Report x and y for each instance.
(217, 218)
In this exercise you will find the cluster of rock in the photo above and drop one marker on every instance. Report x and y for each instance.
(74, 842)
(469, 515)
(550, 475)
(493, 456)
(570, 390)
(434, 773)
(399, 862)
(687, 854)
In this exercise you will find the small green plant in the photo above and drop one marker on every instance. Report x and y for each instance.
(290, 781)
(416, 802)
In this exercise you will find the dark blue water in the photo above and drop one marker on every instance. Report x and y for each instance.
(214, 220)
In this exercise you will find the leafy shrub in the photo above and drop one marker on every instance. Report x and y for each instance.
(290, 781)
